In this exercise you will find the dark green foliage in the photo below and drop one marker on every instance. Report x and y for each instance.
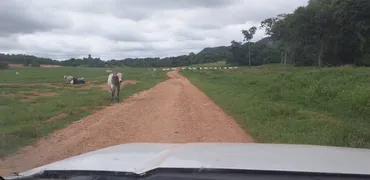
(323, 33)
(25, 59)
(260, 53)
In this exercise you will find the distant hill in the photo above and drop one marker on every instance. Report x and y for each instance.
(219, 49)
(213, 54)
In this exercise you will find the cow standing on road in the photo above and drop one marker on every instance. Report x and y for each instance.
(114, 83)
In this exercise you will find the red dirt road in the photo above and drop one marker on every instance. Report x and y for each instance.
(173, 111)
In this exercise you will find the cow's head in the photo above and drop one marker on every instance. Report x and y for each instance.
(119, 77)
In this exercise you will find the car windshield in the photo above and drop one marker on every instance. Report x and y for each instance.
(133, 86)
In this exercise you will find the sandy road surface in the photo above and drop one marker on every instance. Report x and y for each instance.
(173, 111)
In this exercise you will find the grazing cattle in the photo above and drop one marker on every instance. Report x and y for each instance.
(68, 79)
(114, 83)
(78, 81)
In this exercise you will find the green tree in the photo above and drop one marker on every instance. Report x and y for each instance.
(325, 32)
(248, 36)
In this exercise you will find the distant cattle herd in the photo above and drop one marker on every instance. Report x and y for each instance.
(197, 68)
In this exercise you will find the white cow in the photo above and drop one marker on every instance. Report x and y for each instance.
(68, 79)
(114, 83)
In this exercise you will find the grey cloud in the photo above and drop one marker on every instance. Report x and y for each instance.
(141, 9)
(19, 18)
(136, 9)
(189, 34)
(243, 12)
(171, 4)
(129, 28)
(9, 43)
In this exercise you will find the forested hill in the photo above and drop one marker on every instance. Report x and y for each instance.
(323, 33)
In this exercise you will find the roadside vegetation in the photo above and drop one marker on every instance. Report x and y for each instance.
(36, 102)
(279, 104)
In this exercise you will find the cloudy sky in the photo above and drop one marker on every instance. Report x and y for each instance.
(62, 29)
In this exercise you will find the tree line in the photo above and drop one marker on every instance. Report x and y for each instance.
(323, 33)
(27, 60)
(208, 55)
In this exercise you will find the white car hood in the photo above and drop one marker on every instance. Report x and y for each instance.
(142, 157)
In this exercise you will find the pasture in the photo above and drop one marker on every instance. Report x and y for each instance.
(282, 104)
(36, 102)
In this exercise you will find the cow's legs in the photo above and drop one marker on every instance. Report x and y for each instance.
(118, 89)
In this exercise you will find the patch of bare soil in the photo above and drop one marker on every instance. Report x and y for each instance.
(42, 65)
(16, 65)
(50, 66)
(27, 96)
(30, 97)
(88, 85)
(173, 111)
(57, 117)
(53, 85)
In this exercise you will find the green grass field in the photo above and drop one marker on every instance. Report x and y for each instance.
(36, 102)
(281, 104)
